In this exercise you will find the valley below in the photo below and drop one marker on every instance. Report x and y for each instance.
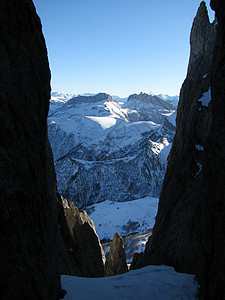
(110, 159)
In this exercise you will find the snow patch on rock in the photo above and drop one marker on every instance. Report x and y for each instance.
(206, 98)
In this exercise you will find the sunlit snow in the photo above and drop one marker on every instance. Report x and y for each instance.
(104, 122)
(57, 96)
(162, 148)
(123, 217)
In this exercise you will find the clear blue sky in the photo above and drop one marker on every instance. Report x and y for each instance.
(118, 46)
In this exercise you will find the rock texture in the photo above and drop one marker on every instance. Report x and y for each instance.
(189, 233)
(35, 237)
(202, 42)
(215, 176)
(30, 238)
(116, 260)
(91, 254)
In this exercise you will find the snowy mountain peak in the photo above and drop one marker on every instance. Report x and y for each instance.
(89, 99)
(151, 99)
(57, 96)
(171, 99)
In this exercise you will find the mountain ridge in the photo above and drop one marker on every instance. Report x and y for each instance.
(96, 138)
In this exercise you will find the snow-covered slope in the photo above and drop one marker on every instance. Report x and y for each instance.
(126, 218)
(57, 99)
(109, 150)
(123, 217)
(152, 282)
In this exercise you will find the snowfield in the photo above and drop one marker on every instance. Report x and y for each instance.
(151, 282)
(123, 217)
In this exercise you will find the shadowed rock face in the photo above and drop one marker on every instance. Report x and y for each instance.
(189, 233)
(89, 255)
(35, 239)
(31, 246)
(215, 175)
(202, 41)
(116, 261)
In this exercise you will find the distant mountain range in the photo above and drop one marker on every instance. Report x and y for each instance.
(107, 149)
(172, 99)
(64, 97)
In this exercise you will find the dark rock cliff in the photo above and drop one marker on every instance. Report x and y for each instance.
(189, 233)
(31, 246)
(214, 173)
(90, 256)
(35, 237)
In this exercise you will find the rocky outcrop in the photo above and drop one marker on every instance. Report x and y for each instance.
(116, 260)
(189, 232)
(91, 254)
(138, 256)
(202, 42)
(136, 261)
(88, 99)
